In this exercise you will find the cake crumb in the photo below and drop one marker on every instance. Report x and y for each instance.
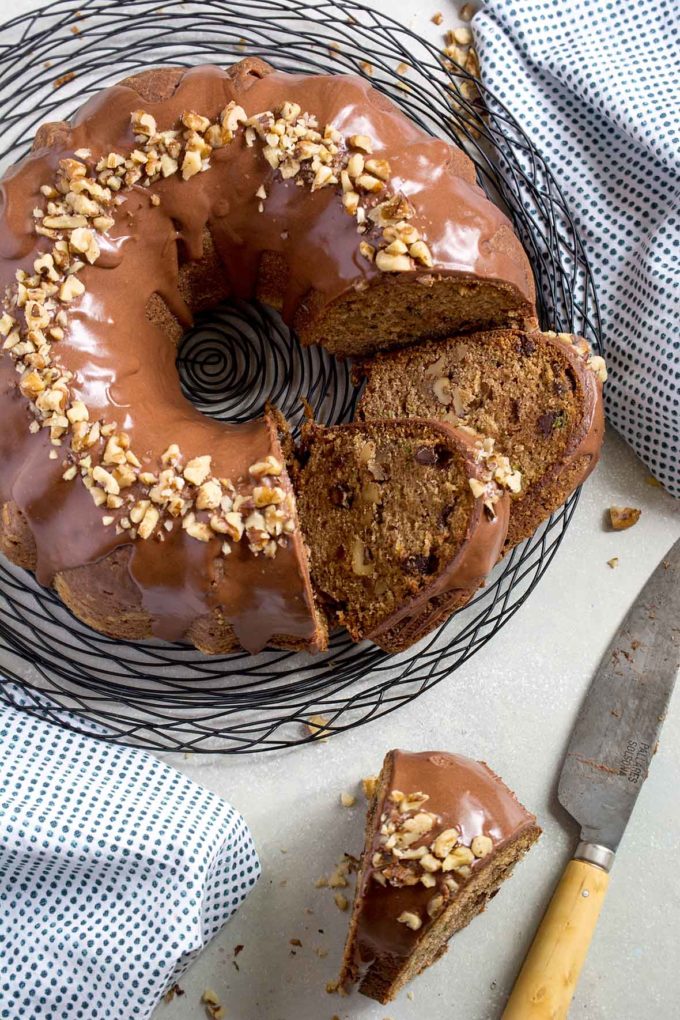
(462, 36)
(316, 727)
(613, 562)
(341, 902)
(466, 12)
(654, 482)
(623, 517)
(437, 18)
(214, 1009)
(403, 68)
(338, 879)
(369, 784)
(347, 799)
(367, 67)
(321, 952)
(173, 991)
(63, 79)
(295, 942)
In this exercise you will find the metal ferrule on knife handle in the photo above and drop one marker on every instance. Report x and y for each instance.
(595, 853)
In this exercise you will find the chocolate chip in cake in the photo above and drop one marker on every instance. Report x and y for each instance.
(526, 346)
(446, 515)
(340, 495)
(420, 564)
(426, 455)
(438, 455)
(546, 422)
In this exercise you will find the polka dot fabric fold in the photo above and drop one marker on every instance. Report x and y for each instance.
(595, 84)
(115, 870)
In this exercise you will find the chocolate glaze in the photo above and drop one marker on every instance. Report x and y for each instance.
(124, 364)
(585, 446)
(465, 794)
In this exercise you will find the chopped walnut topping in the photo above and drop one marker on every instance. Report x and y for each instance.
(410, 919)
(435, 906)
(413, 848)
(594, 362)
(496, 473)
(79, 206)
(481, 846)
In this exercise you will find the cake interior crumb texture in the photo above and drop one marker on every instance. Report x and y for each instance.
(384, 508)
(528, 391)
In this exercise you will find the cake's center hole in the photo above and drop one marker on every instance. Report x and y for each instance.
(239, 357)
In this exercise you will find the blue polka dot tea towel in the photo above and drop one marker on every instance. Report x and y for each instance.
(595, 84)
(115, 870)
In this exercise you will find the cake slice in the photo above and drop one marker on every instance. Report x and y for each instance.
(443, 832)
(396, 514)
(539, 395)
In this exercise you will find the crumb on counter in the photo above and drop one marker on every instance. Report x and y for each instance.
(623, 517)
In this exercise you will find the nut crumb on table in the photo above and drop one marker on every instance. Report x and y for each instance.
(213, 1007)
(623, 517)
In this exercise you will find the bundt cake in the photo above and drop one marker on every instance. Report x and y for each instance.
(164, 195)
(397, 514)
(443, 832)
(538, 395)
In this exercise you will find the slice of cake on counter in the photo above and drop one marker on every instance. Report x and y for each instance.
(398, 516)
(443, 832)
(538, 395)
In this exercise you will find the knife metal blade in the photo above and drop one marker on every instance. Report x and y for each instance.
(616, 733)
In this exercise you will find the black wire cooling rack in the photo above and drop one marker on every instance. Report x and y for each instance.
(170, 697)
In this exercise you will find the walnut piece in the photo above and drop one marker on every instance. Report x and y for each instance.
(623, 517)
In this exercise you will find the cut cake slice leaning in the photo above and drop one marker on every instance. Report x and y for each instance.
(442, 834)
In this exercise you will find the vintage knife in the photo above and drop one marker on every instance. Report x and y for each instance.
(611, 747)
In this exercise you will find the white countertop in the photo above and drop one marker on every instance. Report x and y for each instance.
(513, 705)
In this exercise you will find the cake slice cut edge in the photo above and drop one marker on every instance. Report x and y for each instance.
(443, 832)
(537, 394)
(394, 514)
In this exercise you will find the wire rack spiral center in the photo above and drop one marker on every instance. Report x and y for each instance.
(240, 357)
(169, 697)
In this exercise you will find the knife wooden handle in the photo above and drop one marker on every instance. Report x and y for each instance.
(550, 972)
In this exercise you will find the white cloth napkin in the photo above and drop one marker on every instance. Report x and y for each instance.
(115, 869)
(595, 85)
